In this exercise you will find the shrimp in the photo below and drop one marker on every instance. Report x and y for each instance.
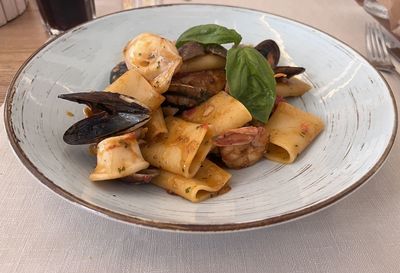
(242, 147)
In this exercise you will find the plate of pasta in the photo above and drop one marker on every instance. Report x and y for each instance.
(205, 118)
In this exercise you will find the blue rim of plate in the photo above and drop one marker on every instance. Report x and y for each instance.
(188, 227)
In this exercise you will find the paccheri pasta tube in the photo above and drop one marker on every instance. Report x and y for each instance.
(292, 87)
(291, 131)
(222, 111)
(132, 84)
(208, 181)
(118, 157)
(156, 125)
(183, 148)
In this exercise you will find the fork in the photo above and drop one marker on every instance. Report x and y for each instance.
(377, 52)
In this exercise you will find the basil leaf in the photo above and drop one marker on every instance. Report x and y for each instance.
(209, 34)
(251, 81)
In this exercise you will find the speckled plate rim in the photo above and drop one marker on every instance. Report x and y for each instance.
(14, 142)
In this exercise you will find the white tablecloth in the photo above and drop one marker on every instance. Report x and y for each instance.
(41, 232)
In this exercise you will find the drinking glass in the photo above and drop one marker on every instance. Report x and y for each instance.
(131, 4)
(61, 15)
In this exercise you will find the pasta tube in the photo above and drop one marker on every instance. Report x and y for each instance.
(182, 150)
(131, 83)
(291, 131)
(156, 125)
(222, 111)
(209, 181)
(118, 157)
(292, 87)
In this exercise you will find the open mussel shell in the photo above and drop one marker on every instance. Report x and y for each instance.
(191, 50)
(270, 50)
(107, 101)
(289, 71)
(114, 113)
(117, 71)
(102, 125)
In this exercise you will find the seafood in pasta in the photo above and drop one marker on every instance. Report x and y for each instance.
(172, 107)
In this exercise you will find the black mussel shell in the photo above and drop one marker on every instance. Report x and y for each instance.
(102, 125)
(289, 71)
(270, 50)
(113, 113)
(117, 71)
(107, 101)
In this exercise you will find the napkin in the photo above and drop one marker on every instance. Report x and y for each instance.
(393, 7)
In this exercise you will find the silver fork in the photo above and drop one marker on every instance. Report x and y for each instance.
(377, 52)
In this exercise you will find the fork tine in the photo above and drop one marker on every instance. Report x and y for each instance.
(382, 50)
(382, 40)
(375, 42)
(368, 40)
(372, 40)
(377, 52)
(374, 48)
(379, 42)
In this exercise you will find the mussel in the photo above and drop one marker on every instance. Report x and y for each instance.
(117, 71)
(270, 50)
(191, 50)
(189, 90)
(113, 114)
(289, 71)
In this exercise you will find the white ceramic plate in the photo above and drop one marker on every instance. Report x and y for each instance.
(349, 95)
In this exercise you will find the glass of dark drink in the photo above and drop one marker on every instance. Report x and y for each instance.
(61, 15)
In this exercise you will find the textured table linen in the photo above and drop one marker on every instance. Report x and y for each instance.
(41, 232)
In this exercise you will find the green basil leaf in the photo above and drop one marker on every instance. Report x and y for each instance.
(209, 34)
(251, 81)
